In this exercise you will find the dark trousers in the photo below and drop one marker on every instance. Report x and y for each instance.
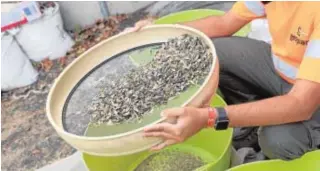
(247, 74)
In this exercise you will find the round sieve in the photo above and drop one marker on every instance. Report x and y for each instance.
(77, 85)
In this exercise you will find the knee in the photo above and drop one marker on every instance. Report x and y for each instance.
(231, 51)
(224, 43)
(224, 47)
(284, 142)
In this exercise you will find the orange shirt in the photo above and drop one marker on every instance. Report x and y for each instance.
(295, 32)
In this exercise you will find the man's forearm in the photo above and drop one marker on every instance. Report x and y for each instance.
(211, 26)
(272, 111)
(218, 26)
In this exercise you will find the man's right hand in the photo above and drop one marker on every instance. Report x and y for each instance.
(139, 25)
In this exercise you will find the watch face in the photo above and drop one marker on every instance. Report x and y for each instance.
(222, 125)
(222, 121)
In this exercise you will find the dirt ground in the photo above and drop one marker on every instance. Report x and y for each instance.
(28, 140)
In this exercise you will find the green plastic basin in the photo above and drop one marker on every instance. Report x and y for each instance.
(190, 15)
(308, 162)
(217, 144)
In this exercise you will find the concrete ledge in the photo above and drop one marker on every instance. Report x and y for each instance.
(71, 163)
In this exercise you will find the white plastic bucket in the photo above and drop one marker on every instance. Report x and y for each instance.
(16, 69)
(45, 37)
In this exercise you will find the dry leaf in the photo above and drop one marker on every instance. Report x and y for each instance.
(101, 26)
(72, 55)
(46, 64)
(106, 34)
(35, 151)
(62, 61)
(121, 17)
(113, 19)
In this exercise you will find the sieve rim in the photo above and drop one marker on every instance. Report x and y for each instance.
(60, 130)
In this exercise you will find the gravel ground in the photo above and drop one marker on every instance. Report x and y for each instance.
(28, 140)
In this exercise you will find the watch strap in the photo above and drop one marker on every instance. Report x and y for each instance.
(222, 121)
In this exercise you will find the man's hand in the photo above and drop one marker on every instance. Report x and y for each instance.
(190, 120)
(139, 25)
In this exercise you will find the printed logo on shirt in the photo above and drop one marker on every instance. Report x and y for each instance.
(301, 33)
(297, 38)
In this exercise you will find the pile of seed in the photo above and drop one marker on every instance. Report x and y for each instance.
(178, 64)
(171, 160)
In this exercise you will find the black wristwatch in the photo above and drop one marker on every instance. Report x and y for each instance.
(222, 121)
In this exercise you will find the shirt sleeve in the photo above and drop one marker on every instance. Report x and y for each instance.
(249, 10)
(310, 66)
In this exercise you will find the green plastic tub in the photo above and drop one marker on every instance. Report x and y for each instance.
(190, 15)
(215, 146)
(308, 162)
